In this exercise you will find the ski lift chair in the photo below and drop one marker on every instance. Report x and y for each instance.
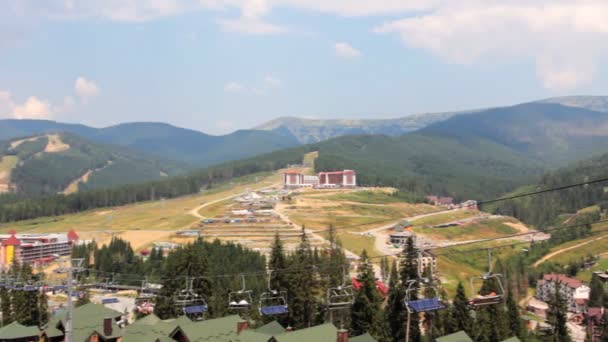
(491, 297)
(240, 300)
(273, 302)
(193, 305)
(433, 303)
(341, 296)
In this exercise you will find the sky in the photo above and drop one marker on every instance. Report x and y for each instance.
(221, 65)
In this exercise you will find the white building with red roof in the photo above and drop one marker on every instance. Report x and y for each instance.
(573, 290)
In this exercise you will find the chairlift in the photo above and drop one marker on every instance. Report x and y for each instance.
(273, 302)
(240, 300)
(341, 296)
(429, 304)
(490, 297)
(192, 304)
(143, 296)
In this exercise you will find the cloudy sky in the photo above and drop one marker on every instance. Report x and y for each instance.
(220, 65)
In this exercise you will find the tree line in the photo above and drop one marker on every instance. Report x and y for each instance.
(16, 207)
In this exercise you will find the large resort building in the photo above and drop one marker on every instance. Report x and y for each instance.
(335, 179)
(34, 248)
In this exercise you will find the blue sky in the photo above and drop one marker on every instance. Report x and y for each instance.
(221, 65)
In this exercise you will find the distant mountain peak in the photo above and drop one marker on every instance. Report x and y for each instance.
(590, 102)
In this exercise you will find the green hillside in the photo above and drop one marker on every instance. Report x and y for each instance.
(163, 140)
(57, 163)
(546, 209)
(479, 155)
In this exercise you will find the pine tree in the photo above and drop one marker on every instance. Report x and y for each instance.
(459, 317)
(410, 279)
(302, 285)
(596, 297)
(43, 309)
(365, 313)
(515, 324)
(557, 316)
(395, 312)
(5, 306)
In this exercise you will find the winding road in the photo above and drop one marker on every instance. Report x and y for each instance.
(552, 254)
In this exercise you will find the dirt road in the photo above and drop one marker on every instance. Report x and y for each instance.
(558, 252)
(195, 212)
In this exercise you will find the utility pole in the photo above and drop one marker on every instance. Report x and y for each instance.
(75, 265)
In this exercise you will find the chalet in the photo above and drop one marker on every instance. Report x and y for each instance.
(400, 238)
(574, 291)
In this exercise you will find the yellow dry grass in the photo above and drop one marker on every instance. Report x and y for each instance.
(7, 164)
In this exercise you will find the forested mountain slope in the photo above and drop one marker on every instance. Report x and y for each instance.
(479, 155)
(544, 210)
(163, 140)
(65, 163)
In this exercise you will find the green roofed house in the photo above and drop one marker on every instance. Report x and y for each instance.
(16, 332)
(512, 339)
(362, 338)
(460, 336)
(90, 322)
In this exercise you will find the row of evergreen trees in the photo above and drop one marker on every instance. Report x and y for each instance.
(305, 274)
(16, 207)
(26, 307)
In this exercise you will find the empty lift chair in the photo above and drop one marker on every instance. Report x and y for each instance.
(273, 302)
(493, 295)
(430, 304)
(341, 296)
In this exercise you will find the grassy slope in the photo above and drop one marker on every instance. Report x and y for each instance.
(153, 215)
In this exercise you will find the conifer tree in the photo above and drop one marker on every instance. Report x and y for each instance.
(515, 323)
(557, 316)
(395, 312)
(365, 313)
(302, 285)
(459, 316)
(43, 309)
(597, 295)
(409, 278)
(5, 306)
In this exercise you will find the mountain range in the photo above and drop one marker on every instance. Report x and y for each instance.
(476, 153)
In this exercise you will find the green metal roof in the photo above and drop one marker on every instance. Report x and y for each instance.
(362, 338)
(17, 331)
(218, 329)
(512, 339)
(320, 333)
(460, 336)
(272, 328)
(88, 319)
(150, 319)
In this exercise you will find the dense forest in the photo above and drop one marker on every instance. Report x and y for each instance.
(304, 275)
(48, 164)
(546, 209)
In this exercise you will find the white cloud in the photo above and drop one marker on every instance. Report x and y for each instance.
(272, 81)
(85, 88)
(233, 87)
(563, 37)
(345, 50)
(250, 26)
(32, 108)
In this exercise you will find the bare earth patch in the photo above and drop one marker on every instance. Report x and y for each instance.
(55, 144)
(519, 226)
